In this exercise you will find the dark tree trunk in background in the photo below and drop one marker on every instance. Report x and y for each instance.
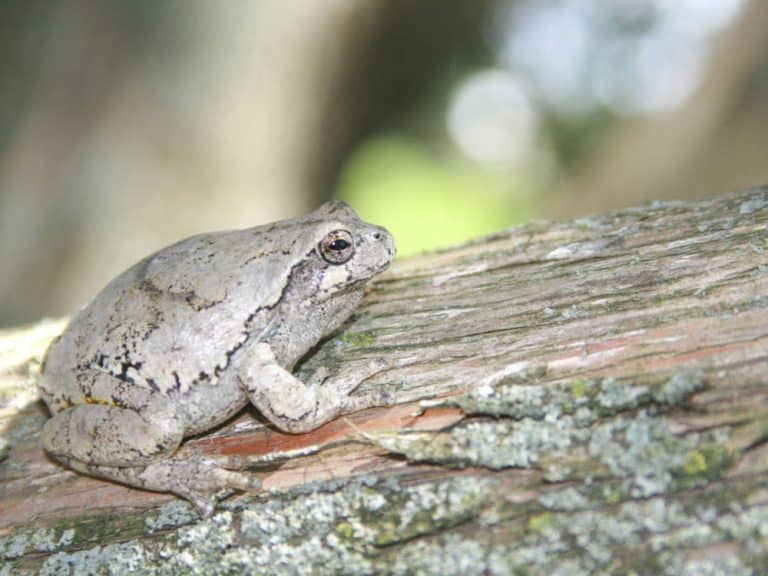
(568, 398)
(152, 110)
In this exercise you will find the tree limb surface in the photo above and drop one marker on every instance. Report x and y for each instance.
(587, 397)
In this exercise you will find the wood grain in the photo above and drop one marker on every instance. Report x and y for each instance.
(648, 321)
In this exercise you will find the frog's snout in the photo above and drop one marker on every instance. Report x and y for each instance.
(385, 241)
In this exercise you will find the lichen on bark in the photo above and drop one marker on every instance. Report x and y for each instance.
(584, 397)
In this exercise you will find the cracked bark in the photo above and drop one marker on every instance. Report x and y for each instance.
(581, 397)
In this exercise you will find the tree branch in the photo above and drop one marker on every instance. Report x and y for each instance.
(566, 398)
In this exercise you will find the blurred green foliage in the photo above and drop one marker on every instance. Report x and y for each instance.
(427, 201)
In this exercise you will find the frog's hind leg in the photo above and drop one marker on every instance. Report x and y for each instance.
(112, 435)
(193, 479)
(136, 448)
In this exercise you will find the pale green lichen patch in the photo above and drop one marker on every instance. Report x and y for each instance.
(706, 462)
(171, 515)
(678, 388)
(74, 533)
(757, 202)
(514, 398)
(657, 530)
(125, 558)
(641, 450)
(345, 530)
(329, 528)
(358, 339)
(378, 517)
(610, 434)
(35, 540)
(541, 522)
(494, 444)
(566, 499)
(14, 546)
(580, 430)
(648, 536)
(447, 554)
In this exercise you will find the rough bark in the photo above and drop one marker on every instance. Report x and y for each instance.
(568, 398)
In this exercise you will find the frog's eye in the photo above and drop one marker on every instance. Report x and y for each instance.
(337, 247)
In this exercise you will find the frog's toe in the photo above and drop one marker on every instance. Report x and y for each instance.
(211, 476)
(239, 480)
(216, 485)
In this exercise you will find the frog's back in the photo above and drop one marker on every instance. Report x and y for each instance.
(172, 320)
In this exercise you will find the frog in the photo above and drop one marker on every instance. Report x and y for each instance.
(186, 338)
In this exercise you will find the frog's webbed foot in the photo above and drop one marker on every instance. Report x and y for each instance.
(194, 479)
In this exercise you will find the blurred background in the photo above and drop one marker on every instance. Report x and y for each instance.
(125, 126)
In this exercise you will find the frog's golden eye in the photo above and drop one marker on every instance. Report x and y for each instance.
(337, 247)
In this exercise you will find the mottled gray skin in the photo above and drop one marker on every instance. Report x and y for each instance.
(188, 336)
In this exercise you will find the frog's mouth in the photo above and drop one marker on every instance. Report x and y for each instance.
(374, 271)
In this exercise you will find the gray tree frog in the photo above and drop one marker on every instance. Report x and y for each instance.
(188, 336)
